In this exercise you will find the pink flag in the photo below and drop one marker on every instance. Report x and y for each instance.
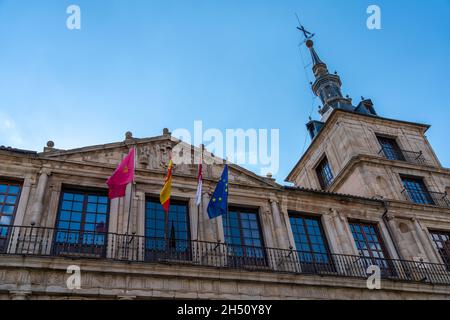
(123, 175)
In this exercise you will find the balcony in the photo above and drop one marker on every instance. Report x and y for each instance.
(403, 155)
(49, 242)
(439, 199)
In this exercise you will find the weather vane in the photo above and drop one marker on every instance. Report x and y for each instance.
(308, 35)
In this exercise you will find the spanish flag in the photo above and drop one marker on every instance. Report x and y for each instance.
(164, 196)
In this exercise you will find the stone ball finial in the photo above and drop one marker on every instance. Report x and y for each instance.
(309, 43)
(269, 175)
(128, 135)
(166, 131)
(50, 144)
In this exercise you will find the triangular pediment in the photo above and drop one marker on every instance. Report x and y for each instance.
(153, 155)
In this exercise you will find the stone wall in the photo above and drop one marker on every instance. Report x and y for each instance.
(45, 278)
(44, 176)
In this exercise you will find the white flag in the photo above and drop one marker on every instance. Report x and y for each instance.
(199, 185)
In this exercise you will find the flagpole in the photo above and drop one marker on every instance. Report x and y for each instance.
(166, 222)
(131, 192)
(200, 204)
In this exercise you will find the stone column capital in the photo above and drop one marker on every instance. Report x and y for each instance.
(45, 171)
(390, 217)
(274, 201)
(332, 212)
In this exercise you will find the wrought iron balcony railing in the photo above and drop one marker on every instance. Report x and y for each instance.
(403, 155)
(439, 199)
(49, 242)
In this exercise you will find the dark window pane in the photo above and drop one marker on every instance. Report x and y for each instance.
(5, 220)
(67, 205)
(324, 173)
(9, 200)
(390, 149)
(68, 196)
(8, 210)
(369, 244)
(243, 235)
(168, 236)
(417, 191)
(85, 225)
(442, 241)
(309, 240)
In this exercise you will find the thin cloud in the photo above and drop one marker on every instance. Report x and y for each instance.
(10, 135)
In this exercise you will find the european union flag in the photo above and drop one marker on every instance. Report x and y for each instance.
(218, 205)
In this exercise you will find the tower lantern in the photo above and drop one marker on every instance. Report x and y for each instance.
(327, 86)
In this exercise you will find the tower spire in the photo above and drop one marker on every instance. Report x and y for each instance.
(326, 86)
(319, 67)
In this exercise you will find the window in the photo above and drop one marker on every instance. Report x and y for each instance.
(243, 237)
(9, 199)
(390, 149)
(82, 223)
(417, 191)
(369, 244)
(310, 242)
(167, 236)
(442, 242)
(324, 173)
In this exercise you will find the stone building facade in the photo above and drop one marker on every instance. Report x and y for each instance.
(369, 191)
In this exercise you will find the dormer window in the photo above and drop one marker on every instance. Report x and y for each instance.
(324, 173)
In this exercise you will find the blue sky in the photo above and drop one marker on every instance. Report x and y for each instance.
(145, 65)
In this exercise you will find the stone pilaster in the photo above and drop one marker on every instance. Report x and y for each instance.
(330, 232)
(194, 218)
(207, 225)
(219, 227)
(430, 251)
(139, 221)
(289, 234)
(343, 234)
(134, 212)
(280, 230)
(23, 201)
(112, 228)
(113, 215)
(139, 225)
(397, 238)
(38, 204)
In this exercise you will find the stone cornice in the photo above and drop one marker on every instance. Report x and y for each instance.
(337, 196)
(422, 212)
(371, 159)
(98, 170)
(177, 272)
